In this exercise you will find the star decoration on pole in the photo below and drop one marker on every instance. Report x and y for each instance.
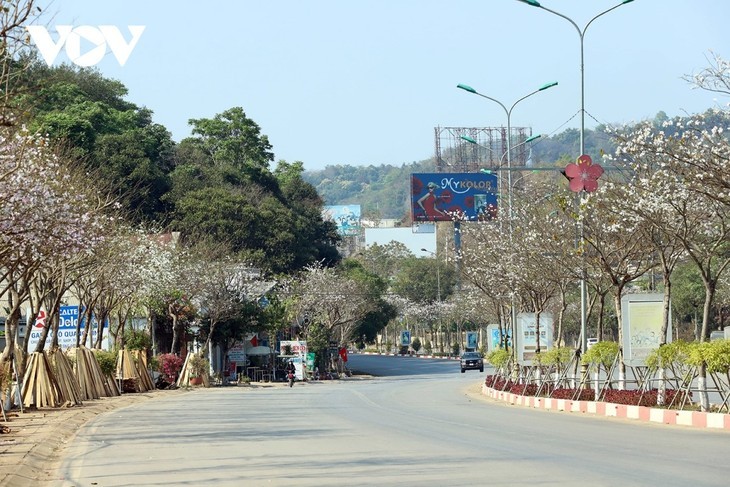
(583, 175)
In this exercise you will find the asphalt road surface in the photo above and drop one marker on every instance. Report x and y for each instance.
(418, 423)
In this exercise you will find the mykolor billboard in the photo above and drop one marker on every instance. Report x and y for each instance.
(453, 196)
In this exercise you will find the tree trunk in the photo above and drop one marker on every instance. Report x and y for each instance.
(619, 320)
(601, 309)
(175, 348)
(88, 313)
(710, 288)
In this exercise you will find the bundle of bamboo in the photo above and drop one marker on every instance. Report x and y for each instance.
(40, 388)
(127, 372)
(140, 360)
(183, 379)
(67, 383)
(91, 379)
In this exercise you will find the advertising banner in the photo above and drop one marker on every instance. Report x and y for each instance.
(68, 318)
(298, 347)
(453, 196)
(495, 339)
(472, 340)
(527, 336)
(347, 218)
(405, 338)
(642, 326)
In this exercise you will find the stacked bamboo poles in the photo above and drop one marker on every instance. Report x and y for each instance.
(140, 359)
(67, 383)
(92, 382)
(127, 370)
(184, 379)
(40, 387)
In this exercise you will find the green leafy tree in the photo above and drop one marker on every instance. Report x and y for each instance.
(425, 280)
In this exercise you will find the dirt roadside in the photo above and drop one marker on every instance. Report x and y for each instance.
(31, 453)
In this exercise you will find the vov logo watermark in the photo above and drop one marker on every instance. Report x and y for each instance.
(100, 37)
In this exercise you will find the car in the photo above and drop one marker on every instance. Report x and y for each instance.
(590, 342)
(472, 360)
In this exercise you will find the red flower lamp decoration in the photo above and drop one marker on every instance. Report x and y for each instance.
(583, 175)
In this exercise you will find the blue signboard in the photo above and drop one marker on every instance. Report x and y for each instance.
(347, 218)
(453, 196)
(68, 318)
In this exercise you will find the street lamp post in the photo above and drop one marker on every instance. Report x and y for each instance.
(508, 112)
(581, 34)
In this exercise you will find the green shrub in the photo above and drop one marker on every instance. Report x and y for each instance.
(154, 364)
(416, 344)
(601, 354)
(498, 357)
(672, 353)
(716, 354)
(137, 339)
(198, 366)
(428, 348)
(107, 361)
(556, 356)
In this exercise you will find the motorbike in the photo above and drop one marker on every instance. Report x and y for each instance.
(290, 378)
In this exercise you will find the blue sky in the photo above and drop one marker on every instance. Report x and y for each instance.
(364, 82)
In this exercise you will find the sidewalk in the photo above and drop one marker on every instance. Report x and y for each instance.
(31, 453)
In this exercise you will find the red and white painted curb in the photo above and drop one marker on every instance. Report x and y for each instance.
(695, 419)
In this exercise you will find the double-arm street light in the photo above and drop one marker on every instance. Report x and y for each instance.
(508, 112)
(581, 35)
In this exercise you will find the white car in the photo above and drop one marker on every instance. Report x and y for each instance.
(591, 342)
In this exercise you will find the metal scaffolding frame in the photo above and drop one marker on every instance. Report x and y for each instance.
(456, 155)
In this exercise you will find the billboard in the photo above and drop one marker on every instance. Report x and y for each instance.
(347, 218)
(453, 196)
(405, 338)
(68, 317)
(495, 339)
(642, 326)
(527, 334)
(472, 340)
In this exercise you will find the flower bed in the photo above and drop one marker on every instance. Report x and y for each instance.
(630, 397)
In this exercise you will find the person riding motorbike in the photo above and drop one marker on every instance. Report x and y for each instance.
(290, 372)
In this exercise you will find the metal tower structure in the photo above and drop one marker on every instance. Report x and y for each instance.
(454, 154)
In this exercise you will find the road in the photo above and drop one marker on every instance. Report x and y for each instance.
(420, 423)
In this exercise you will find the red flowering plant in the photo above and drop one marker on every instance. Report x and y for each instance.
(170, 365)
(583, 175)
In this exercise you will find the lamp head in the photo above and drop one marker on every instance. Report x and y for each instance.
(468, 139)
(466, 88)
(548, 85)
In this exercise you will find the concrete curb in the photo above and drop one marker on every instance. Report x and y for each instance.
(696, 419)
